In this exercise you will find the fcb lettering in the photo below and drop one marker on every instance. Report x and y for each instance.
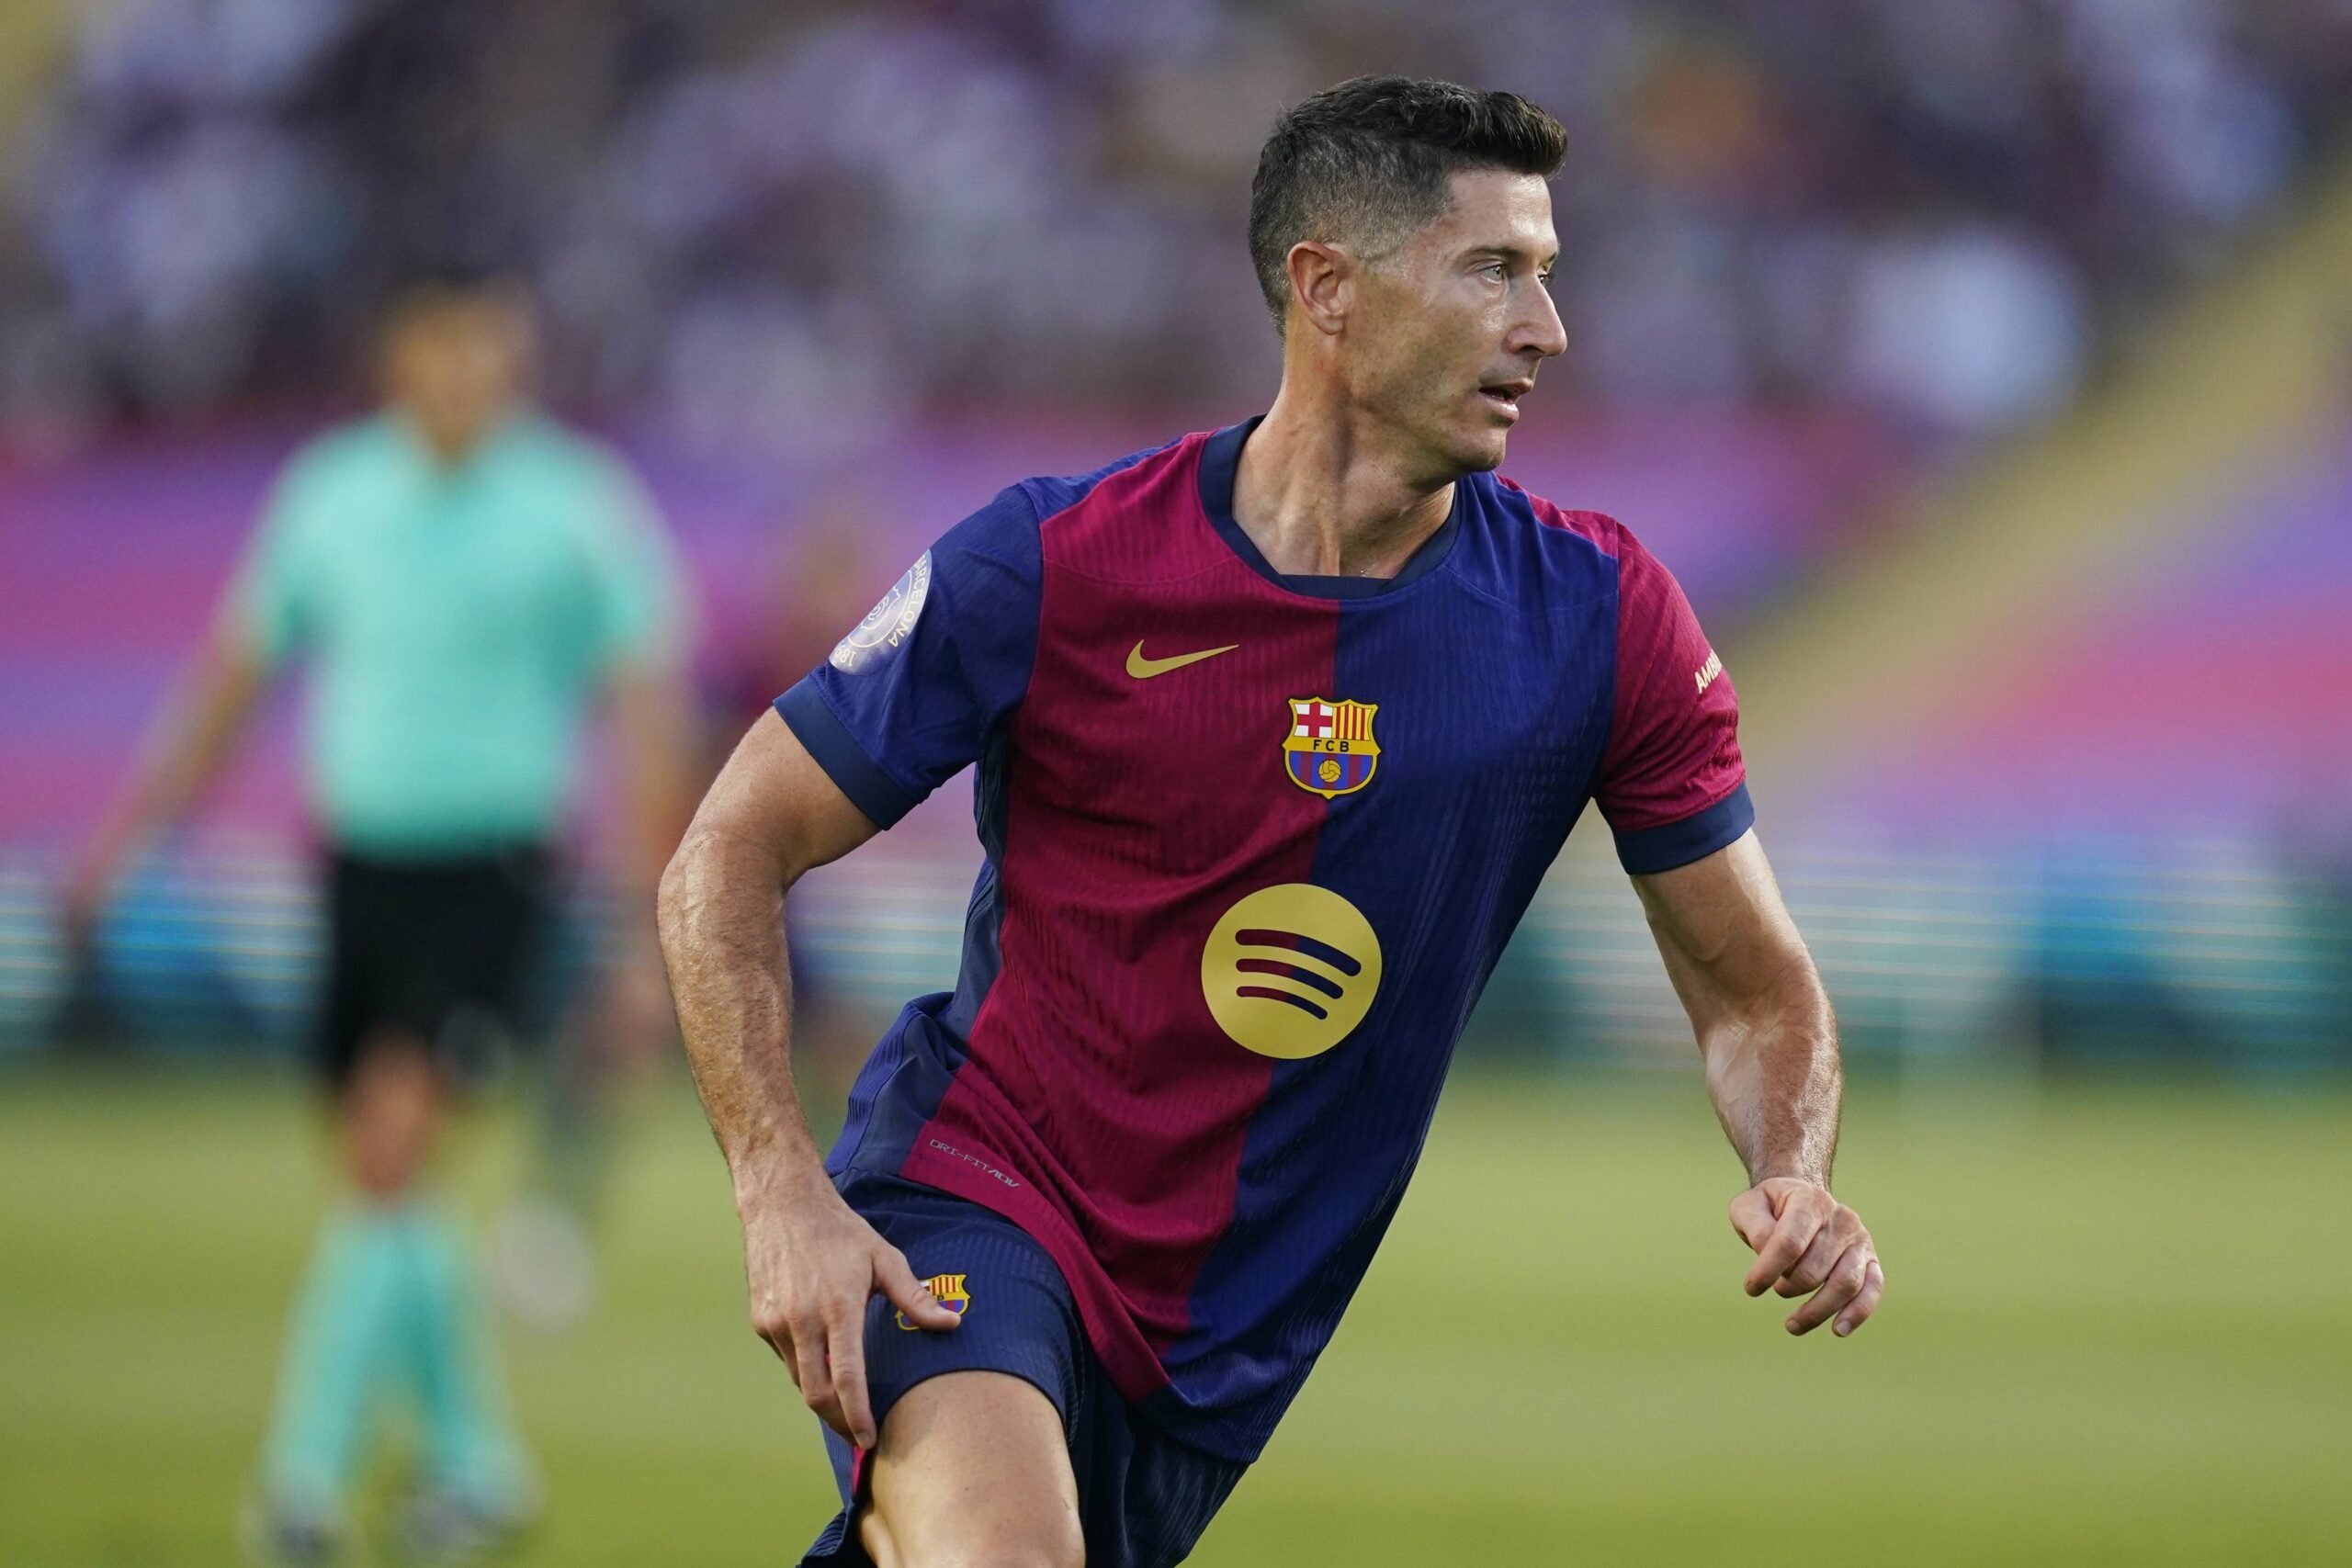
(1329, 750)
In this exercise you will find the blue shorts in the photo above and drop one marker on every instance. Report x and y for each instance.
(1144, 1497)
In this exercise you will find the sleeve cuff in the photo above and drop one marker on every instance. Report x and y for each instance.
(1647, 850)
(870, 789)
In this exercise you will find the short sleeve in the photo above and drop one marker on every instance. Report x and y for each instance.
(1673, 787)
(915, 691)
(272, 602)
(638, 606)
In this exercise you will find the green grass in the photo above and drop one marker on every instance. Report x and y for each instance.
(2118, 1330)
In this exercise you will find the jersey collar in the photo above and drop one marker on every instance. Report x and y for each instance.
(1221, 458)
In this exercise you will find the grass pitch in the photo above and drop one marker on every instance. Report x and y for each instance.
(2119, 1328)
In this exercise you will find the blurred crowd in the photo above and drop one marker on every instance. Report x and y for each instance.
(771, 222)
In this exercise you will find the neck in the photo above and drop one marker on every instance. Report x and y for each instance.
(1324, 491)
(452, 449)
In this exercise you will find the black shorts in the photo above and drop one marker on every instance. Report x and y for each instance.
(451, 952)
(1144, 1499)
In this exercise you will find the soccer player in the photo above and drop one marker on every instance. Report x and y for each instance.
(465, 579)
(1278, 727)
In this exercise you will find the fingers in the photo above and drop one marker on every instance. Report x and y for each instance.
(1873, 1287)
(1847, 1279)
(1808, 1244)
(1752, 1217)
(845, 1348)
(1829, 1243)
(772, 1324)
(798, 1336)
(1802, 1211)
(823, 1342)
(909, 1294)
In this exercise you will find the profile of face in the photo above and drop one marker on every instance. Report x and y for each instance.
(457, 364)
(1442, 335)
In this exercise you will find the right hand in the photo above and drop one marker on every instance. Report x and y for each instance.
(812, 1264)
(81, 900)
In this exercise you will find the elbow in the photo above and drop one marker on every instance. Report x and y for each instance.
(673, 893)
(713, 878)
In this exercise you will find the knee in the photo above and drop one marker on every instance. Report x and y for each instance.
(1054, 1541)
(391, 1112)
(1024, 1556)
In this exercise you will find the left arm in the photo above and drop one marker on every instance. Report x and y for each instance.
(640, 619)
(1764, 1027)
(652, 709)
(652, 712)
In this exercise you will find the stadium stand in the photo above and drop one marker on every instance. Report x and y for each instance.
(1835, 271)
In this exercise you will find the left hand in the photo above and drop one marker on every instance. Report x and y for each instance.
(1808, 1243)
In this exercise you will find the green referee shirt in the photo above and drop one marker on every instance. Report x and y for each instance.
(457, 621)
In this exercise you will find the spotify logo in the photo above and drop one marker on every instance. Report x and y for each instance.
(1290, 970)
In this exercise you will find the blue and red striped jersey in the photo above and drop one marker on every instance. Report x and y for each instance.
(1253, 845)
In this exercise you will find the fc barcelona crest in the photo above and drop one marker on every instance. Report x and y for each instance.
(1329, 749)
(948, 1291)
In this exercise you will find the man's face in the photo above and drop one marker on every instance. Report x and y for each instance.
(1450, 327)
(457, 365)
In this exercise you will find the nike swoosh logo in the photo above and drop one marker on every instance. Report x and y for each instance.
(1143, 669)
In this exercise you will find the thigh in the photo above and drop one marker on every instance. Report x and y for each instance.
(446, 948)
(362, 929)
(972, 1467)
(1019, 1353)
(478, 929)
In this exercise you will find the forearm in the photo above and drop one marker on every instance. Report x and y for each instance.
(653, 708)
(722, 936)
(184, 751)
(1773, 1074)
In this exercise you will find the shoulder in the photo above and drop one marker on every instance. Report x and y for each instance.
(1560, 535)
(1536, 555)
(1566, 529)
(1051, 495)
(1137, 520)
(550, 451)
(341, 473)
(355, 450)
(1010, 530)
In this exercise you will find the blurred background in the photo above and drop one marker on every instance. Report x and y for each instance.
(1983, 369)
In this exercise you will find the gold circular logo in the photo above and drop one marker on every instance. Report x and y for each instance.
(1291, 970)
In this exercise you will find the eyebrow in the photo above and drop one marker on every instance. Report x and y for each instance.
(1512, 252)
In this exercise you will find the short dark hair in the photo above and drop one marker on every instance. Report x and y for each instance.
(1367, 162)
(419, 292)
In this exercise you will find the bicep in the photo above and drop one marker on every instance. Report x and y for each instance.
(772, 792)
(1724, 931)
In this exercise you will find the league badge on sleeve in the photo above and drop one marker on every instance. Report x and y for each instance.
(1329, 749)
(886, 626)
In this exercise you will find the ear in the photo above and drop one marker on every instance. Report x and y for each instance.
(1322, 285)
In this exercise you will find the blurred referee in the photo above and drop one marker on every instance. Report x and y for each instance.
(465, 579)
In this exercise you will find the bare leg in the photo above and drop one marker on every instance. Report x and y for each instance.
(392, 1111)
(973, 1471)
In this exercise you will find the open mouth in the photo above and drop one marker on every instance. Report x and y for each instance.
(1505, 395)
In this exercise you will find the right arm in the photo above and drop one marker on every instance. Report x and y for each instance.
(255, 625)
(810, 1263)
(184, 751)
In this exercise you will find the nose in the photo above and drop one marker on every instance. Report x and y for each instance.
(1538, 329)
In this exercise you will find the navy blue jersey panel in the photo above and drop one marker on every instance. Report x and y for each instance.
(940, 664)
(870, 786)
(1651, 850)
